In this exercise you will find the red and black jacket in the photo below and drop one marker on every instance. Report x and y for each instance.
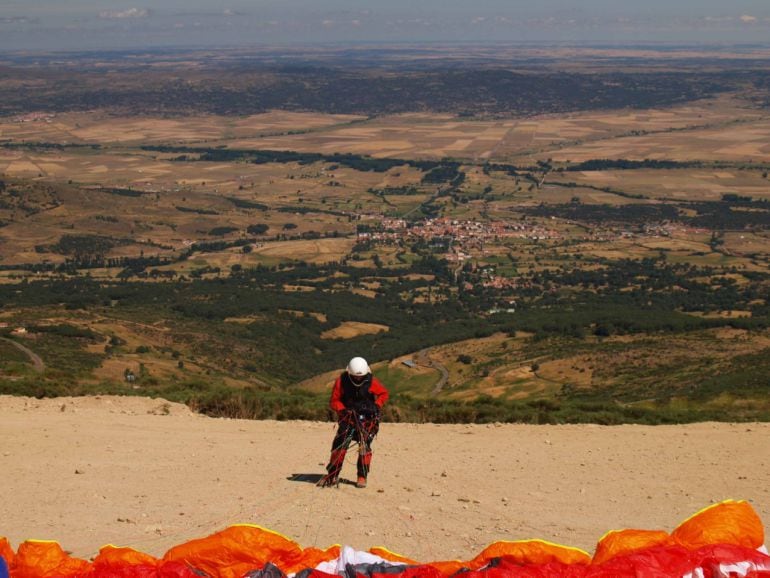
(369, 397)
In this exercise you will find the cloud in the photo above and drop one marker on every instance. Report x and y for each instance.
(748, 19)
(219, 14)
(15, 20)
(124, 14)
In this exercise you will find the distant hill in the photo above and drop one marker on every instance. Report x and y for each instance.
(470, 88)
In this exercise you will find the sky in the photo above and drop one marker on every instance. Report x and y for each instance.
(50, 25)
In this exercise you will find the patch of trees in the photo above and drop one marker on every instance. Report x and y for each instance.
(430, 210)
(215, 246)
(733, 212)
(507, 169)
(257, 229)
(648, 284)
(305, 210)
(46, 146)
(122, 192)
(72, 266)
(446, 173)
(246, 204)
(64, 330)
(626, 164)
(86, 247)
(357, 162)
(634, 214)
(740, 199)
(222, 231)
(196, 211)
(396, 191)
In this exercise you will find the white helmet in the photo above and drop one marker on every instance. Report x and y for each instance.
(358, 367)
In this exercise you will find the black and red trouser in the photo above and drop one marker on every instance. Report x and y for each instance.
(353, 427)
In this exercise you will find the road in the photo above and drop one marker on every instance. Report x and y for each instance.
(422, 358)
(34, 358)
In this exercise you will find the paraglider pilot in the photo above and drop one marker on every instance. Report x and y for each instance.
(357, 398)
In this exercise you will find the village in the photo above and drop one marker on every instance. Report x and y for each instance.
(465, 233)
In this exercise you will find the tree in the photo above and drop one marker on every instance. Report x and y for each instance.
(257, 229)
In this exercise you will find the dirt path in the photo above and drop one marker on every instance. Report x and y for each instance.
(34, 358)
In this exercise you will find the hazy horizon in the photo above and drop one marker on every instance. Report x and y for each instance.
(113, 24)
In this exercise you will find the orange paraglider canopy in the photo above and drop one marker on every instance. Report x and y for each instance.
(39, 559)
(728, 522)
(726, 536)
(239, 549)
(622, 542)
(527, 552)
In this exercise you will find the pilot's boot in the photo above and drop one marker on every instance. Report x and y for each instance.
(362, 465)
(334, 467)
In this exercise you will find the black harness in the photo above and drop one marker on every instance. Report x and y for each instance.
(358, 397)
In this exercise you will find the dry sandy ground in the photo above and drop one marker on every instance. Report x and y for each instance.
(148, 474)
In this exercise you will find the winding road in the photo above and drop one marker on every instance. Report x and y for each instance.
(423, 359)
(37, 362)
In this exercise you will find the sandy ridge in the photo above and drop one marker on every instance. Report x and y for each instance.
(150, 474)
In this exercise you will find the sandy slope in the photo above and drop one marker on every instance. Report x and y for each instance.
(148, 474)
